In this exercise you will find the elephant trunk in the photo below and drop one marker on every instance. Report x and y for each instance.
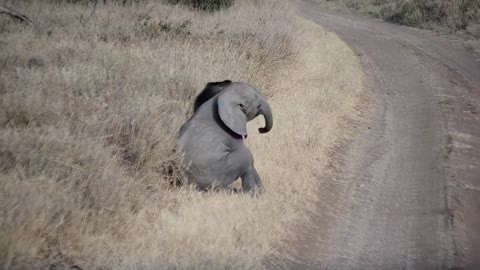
(266, 111)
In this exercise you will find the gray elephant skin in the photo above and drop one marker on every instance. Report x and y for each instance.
(211, 142)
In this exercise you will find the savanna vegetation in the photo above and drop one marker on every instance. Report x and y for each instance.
(91, 98)
(453, 16)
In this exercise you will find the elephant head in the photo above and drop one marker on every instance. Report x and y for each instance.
(210, 90)
(240, 103)
(213, 153)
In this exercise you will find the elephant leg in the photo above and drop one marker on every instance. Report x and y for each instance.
(258, 181)
(251, 180)
(237, 164)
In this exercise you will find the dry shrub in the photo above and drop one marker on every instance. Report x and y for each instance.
(90, 106)
(205, 5)
(457, 16)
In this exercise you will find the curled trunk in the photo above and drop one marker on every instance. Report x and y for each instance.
(266, 111)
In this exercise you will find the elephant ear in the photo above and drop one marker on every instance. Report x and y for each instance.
(231, 114)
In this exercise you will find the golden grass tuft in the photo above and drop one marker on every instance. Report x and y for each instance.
(89, 111)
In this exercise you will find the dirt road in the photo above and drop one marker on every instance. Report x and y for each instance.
(411, 198)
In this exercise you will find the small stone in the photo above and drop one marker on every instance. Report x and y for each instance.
(35, 62)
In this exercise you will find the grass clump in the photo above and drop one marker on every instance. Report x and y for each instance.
(205, 5)
(457, 16)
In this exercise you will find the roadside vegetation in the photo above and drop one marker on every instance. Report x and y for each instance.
(91, 99)
(452, 16)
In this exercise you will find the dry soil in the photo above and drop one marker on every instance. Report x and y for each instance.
(410, 184)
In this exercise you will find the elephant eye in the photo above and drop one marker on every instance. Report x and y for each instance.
(242, 107)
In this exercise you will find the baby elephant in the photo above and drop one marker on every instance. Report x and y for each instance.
(212, 140)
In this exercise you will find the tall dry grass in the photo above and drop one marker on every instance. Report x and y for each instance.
(454, 16)
(90, 106)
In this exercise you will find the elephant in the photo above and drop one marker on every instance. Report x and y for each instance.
(211, 142)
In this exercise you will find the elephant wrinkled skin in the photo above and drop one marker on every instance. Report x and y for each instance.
(211, 142)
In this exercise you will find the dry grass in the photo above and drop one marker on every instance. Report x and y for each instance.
(89, 111)
(454, 16)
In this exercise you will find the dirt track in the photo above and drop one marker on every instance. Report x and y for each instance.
(412, 193)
